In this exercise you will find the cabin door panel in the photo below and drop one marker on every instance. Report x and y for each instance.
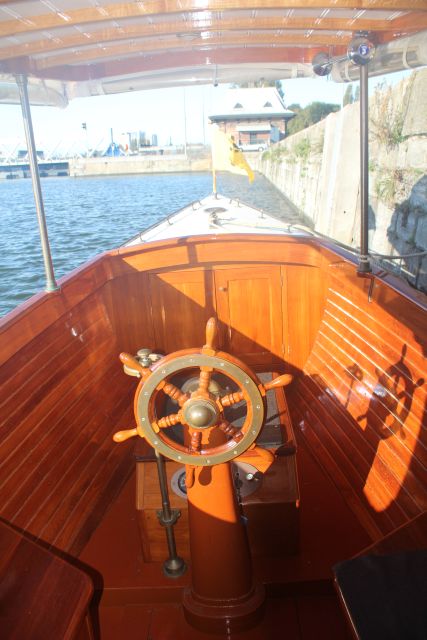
(249, 309)
(304, 293)
(181, 304)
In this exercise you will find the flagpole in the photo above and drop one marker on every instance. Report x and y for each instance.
(214, 191)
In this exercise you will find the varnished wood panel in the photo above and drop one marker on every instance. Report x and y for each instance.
(361, 403)
(181, 304)
(249, 309)
(63, 395)
(39, 312)
(44, 21)
(129, 308)
(304, 293)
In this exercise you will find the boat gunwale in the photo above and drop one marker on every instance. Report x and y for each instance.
(103, 261)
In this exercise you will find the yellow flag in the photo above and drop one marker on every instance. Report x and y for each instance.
(226, 155)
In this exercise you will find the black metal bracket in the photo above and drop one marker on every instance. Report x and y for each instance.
(175, 514)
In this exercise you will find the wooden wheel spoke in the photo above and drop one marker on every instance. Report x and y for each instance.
(204, 380)
(176, 394)
(168, 421)
(232, 398)
(231, 431)
(196, 442)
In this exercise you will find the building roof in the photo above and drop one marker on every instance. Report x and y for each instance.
(252, 103)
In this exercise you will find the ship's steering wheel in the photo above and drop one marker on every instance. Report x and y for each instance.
(209, 438)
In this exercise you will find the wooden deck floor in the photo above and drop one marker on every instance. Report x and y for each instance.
(293, 618)
(137, 601)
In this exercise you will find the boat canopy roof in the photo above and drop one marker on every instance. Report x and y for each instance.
(70, 48)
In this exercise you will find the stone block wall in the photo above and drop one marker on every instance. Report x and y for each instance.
(318, 169)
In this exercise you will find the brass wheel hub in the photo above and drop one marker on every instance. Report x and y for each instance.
(200, 413)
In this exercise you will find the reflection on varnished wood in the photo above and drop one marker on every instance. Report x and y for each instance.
(391, 401)
(362, 404)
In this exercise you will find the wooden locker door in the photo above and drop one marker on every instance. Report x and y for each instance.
(249, 308)
(181, 306)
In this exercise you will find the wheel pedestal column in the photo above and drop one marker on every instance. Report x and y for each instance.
(223, 596)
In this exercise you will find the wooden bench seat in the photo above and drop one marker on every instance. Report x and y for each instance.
(42, 596)
(385, 596)
(384, 588)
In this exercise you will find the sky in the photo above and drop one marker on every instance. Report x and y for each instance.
(174, 115)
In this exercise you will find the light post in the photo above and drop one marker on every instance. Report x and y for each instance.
(84, 127)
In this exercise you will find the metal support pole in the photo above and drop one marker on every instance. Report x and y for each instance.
(21, 81)
(174, 566)
(364, 263)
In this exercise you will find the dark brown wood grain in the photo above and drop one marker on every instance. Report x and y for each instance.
(42, 596)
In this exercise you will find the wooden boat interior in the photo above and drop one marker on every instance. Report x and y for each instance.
(331, 495)
(349, 472)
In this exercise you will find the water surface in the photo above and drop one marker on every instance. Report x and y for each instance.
(86, 216)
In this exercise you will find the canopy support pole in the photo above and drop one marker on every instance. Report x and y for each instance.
(22, 83)
(364, 263)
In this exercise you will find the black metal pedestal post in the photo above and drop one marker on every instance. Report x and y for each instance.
(174, 566)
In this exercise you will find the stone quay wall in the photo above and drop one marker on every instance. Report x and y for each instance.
(127, 165)
(318, 169)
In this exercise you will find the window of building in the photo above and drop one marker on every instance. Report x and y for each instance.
(254, 137)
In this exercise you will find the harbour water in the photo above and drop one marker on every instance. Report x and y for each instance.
(91, 215)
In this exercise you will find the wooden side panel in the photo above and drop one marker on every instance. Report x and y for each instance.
(129, 307)
(63, 396)
(304, 293)
(361, 404)
(181, 304)
(39, 312)
(249, 306)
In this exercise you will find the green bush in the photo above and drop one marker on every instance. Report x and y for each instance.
(302, 149)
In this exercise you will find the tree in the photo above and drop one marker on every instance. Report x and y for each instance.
(348, 95)
(318, 110)
(356, 97)
(311, 114)
(258, 84)
(295, 107)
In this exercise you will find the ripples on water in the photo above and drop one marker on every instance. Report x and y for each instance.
(88, 215)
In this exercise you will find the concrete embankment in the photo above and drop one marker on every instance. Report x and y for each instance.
(127, 165)
(318, 170)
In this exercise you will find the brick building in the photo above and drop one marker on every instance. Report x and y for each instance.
(255, 117)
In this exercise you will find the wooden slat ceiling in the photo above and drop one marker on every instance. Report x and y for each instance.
(98, 39)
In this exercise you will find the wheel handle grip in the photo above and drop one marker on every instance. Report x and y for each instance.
(121, 436)
(281, 381)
